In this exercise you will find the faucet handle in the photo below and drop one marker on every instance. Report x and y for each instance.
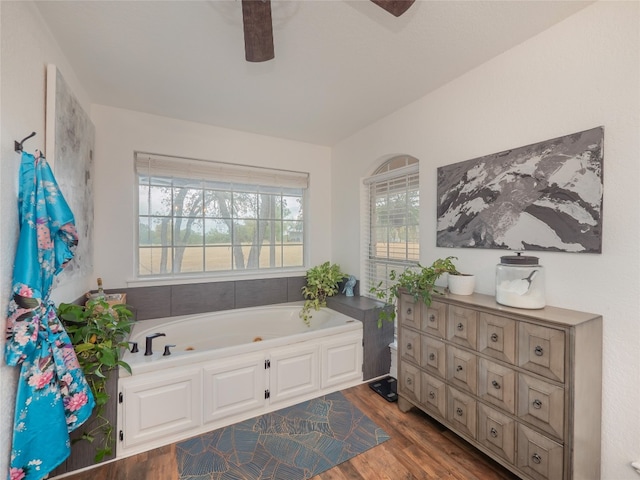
(166, 350)
(134, 347)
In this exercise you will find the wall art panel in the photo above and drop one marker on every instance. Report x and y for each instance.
(69, 149)
(544, 196)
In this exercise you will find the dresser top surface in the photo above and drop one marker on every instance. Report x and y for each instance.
(546, 314)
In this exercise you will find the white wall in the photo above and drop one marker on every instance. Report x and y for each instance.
(119, 133)
(579, 74)
(26, 47)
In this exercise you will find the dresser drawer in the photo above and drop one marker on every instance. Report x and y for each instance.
(497, 432)
(541, 350)
(541, 404)
(434, 395)
(539, 456)
(462, 324)
(433, 356)
(497, 337)
(434, 319)
(409, 384)
(462, 369)
(408, 314)
(497, 385)
(410, 345)
(461, 412)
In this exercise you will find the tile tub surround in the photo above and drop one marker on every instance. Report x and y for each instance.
(377, 356)
(185, 299)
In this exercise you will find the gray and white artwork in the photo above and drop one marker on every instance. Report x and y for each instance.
(70, 143)
(545, 196)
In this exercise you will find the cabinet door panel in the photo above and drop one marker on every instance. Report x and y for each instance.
(462, 369)
(538, 456)
(409, 384)
(434, 319)
(434, 395)
(158, 406)
(341, 361)
(541, 404)
(497, 385)
(433, 356)
(497, 432)
(461, 412)
(410, 345)
(409, 311)
(497, 337)
(233, 386)
(541, 350)
(294, 371)
(462, 325)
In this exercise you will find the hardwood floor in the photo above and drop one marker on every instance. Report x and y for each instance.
(419, 448)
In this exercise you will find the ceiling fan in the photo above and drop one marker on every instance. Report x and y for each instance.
(258, 27)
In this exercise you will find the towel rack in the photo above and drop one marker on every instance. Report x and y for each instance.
(18, 145)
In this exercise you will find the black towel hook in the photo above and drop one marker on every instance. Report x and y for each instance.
(18, 145)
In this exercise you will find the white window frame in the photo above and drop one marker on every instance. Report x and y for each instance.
(225, 178)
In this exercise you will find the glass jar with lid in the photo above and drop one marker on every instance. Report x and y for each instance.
(520, 282)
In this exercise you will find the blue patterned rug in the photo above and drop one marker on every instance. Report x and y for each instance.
(294, 443)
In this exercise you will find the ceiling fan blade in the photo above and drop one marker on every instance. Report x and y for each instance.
(394, 7)
(258, 30)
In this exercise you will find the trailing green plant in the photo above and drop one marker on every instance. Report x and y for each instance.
(322, 282)
(98, 332)
(418, 281)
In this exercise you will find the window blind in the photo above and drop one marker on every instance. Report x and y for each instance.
(390, 229)
(177, 167)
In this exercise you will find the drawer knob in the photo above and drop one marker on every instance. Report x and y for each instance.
(496, 385)
(409, 311)
(459, 412)
(535, 458)
(539, 351)
(460, 326)
(409, 381)
(432, 356)
(494, 337)
(432, 318)
(459, 368)
(432, 395)
(409, 346)
(536, 404)
(494, 432)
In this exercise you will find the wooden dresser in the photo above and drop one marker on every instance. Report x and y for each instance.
(523, 386)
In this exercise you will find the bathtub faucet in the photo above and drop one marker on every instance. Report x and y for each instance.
(147, 349)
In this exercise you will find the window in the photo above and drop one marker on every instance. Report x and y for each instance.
(197, 217)
(391, 230)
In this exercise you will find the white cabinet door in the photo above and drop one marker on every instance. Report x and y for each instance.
(341, 361)
(234, 386)
(160, 405)
(294, 371)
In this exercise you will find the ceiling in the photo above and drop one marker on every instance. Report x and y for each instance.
(339, 65)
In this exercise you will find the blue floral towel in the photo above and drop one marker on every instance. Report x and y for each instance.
(53, 397)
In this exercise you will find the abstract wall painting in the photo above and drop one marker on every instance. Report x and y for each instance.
(545, 196)
(70, 139)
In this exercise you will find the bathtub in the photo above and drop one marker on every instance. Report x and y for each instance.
(229, 366)
(229, 332)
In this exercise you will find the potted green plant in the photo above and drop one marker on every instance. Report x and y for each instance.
(322, 282)
(98, 332)
(418, 281)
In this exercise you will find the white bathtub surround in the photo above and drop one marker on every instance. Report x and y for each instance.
(462, 284)
(230, 366)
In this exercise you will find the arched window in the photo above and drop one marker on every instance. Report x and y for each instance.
(391, 230)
